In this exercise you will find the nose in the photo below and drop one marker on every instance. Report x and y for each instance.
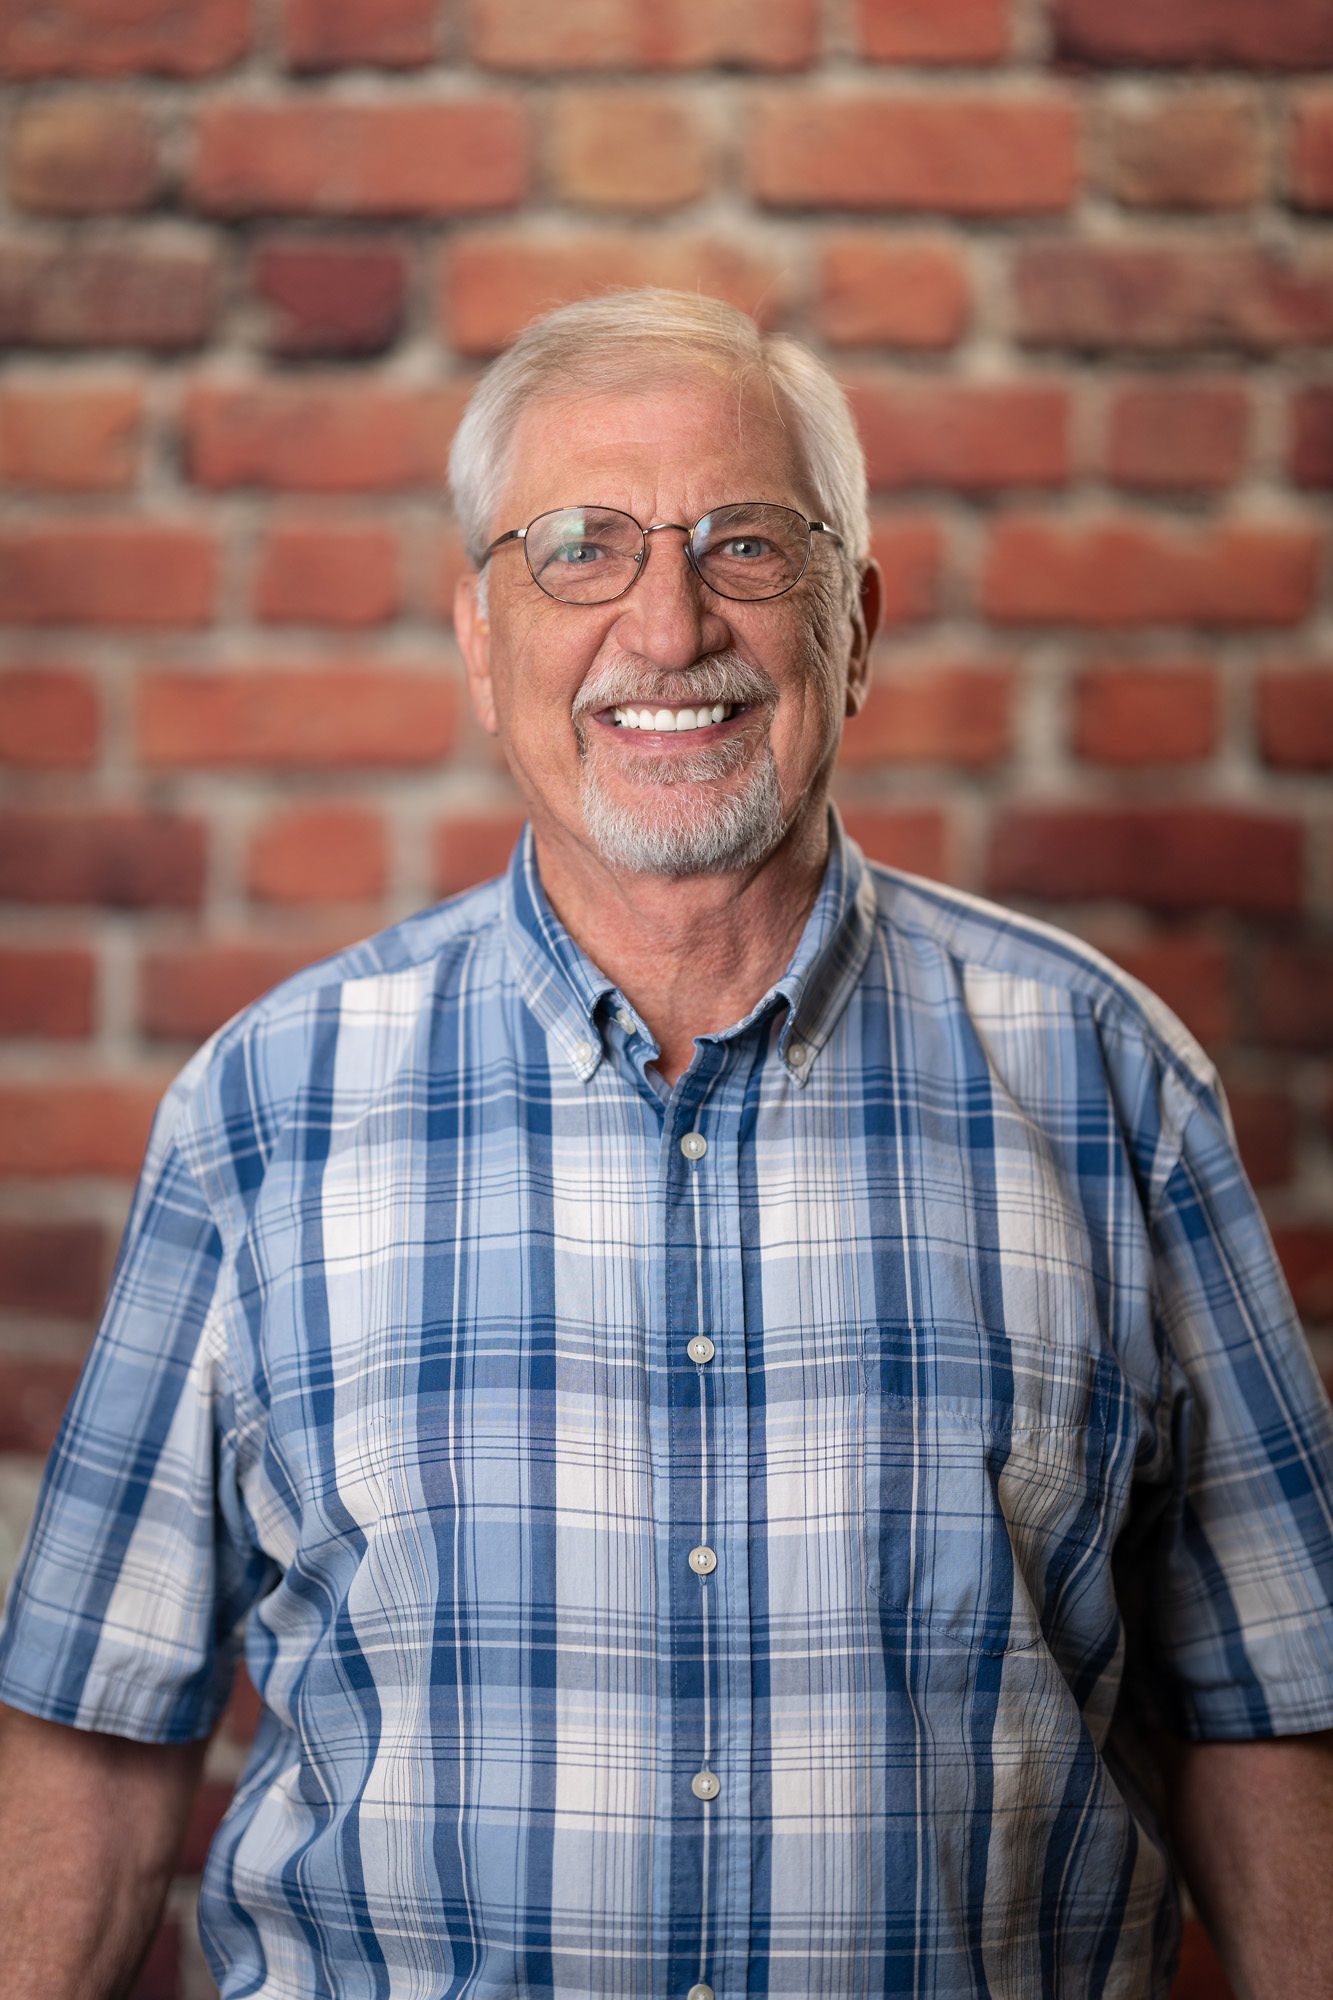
(670, 616)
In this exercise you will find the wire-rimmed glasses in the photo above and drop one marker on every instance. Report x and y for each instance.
(748, 550)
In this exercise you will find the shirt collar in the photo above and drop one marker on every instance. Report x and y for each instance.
(564, 989)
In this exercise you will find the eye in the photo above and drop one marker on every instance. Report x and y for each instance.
(577, 554)
(747, 548)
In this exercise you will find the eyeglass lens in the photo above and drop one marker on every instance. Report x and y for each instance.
(587, 555)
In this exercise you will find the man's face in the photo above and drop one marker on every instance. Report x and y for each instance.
(555, 681)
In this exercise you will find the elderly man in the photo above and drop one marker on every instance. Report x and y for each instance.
(738, 1401)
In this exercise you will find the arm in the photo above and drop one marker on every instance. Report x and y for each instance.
(1251, 1825)
(90, 1832)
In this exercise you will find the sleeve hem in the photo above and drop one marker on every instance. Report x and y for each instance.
(1252, 1711)
(112, 1707)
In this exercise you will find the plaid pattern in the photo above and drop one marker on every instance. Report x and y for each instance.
(1007, 1444)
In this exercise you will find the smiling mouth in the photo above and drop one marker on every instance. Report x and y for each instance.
(672, 721)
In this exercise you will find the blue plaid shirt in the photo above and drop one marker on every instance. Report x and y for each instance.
(729, 1539)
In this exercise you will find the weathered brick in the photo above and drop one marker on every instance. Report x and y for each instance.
(344, 435)
(976, 156)
(1122, 572)
(1174, 434)
(319, 854)
(909, 549)
(50, 718)
(185, 38)
(1160, 295)
(646, 150)
(468, 848)
(321, 572)
(1267, 1132)
(82, 155)
(293, 718)
(1311, 459)
(340, 157)
(914, 838)
(494, 282)
(933, 31)
(1133, 714)
(914, 292)
(935, 712)
(625, 34)
(1305, 1251)
(33, 1395)
(1191, 970)
(973, 436)
(1293, 997)
(131, 574)
(53, 1269)
(46, 990)
(1192, 148)
(1162, 857)
(1309, 175)
(186, 991)
(1295, 716)
(389, 34)
(53, 1127)
(126, 857)
(329, 296)
(157, 293)
(1249, 34)
(61, 434)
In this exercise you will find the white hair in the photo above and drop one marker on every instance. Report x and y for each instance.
(631, 338)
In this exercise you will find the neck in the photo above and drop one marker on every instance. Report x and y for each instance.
(695, 954)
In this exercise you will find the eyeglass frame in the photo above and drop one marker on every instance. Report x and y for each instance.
(813, 528)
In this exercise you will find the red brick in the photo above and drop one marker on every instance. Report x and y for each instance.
(46, 990)
(1310, 151)
(159, 1977)
(240, 1718)
(645, 150)
(1306, 1255)
(934, 713)
(187, 991)
(328, 296)
(124, 856)
(341, 157)
(319, 854)
(910, 552)
(913, 838)
(626, 34)
(911, 293)
(207, 1807)
(933, 31)
(1312, 438)
(1266, 1133)
(90, 1125)
(344, 435)
(120, 37)
(33, 1395)
(1160, 295)
(1162, 857)
(50, 718)
(1190, 970)
(1295, 717)
(390, 34)
(471, 848)
(133, 574)
(293, 718)
(1168, 434)
(1127, 714)
(1293, 997)
(1194, 148)
(82, 155)
(959, 155)
(973, 436)
(66, 436)
(54, 1269)
(328, 573)
(1122, 572)
(159, 294)
(1248, 34)
(494, 283)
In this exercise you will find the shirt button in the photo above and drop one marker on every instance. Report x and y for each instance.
(705, 1785)
(694, 1145)
(797, 1054)
(701, 1348)
(700, 1992)
(703, 1561)
(584, 1052)
(625, 1020)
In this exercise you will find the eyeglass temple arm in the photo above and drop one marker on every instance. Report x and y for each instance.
(513, 535)
(823, 528)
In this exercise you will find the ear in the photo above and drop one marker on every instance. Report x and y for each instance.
(473, 632)
(865, 623)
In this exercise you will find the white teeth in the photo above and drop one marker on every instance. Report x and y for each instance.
(671, 720)
(718, 711)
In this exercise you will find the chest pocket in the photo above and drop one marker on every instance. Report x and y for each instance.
(983, 1457)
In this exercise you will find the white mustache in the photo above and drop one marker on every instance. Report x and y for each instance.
(630, 683)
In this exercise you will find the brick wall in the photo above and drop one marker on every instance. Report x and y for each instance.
(1072, 260)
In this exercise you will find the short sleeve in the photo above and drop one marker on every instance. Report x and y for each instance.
(137, 1570)
(1240, 1610)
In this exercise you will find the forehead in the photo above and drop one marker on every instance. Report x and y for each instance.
(684, 443)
